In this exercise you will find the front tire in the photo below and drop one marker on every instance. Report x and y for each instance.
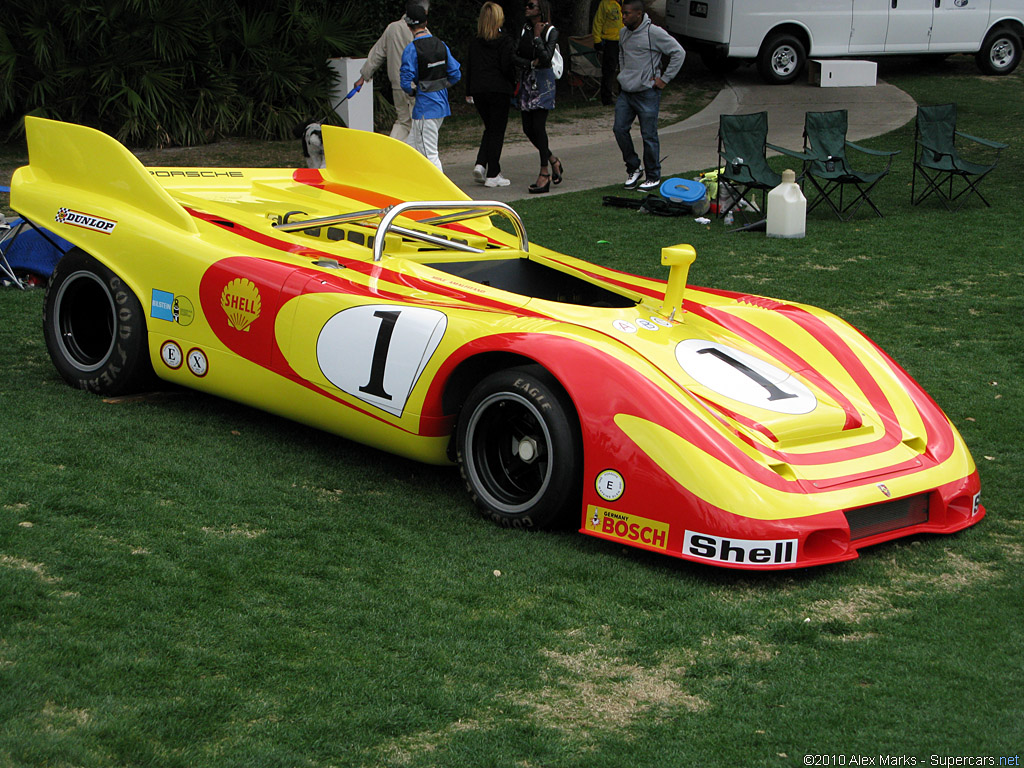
(782, 58)
(519, 451)
(1000, 53)
(95, 328)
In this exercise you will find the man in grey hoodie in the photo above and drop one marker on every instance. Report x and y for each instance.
(641, 80)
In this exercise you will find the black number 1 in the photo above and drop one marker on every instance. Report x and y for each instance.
(375, 386)
(774, 393)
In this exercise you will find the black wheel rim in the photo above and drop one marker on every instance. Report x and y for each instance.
(509, 452)
(86, 320)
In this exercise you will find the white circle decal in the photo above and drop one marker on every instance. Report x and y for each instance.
(647, 325)
(170, 353)
(661, 321)
(624, 326)
(610, 485)
(743, 377)
(197, 362)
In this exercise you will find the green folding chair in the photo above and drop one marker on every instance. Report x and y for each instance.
(938, 163)
(742, 148)
(828, 168)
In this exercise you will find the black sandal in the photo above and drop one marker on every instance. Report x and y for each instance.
(556, 172)
(538, 189)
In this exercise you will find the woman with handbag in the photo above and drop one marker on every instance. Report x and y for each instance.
(535, 96)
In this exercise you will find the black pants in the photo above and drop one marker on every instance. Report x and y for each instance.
(493, 109)
(609, 67)
(535, 122)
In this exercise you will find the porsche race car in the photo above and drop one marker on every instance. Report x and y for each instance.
(377, 301)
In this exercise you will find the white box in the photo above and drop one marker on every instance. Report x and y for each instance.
(842, 73)
(356, 112)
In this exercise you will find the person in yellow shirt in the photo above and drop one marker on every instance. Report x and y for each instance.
(607, 23)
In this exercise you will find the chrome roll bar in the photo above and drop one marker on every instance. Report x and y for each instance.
(464, 209)
(484, 207)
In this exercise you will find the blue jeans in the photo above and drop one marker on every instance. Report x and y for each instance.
(643, 105)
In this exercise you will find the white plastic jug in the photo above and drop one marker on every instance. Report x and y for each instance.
(787, 208)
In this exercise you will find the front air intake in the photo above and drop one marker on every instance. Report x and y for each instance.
(890, 516)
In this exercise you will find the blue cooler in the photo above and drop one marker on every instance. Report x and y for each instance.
(686, 192)
(25, 252)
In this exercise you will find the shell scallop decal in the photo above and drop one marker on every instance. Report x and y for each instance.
(240, 301)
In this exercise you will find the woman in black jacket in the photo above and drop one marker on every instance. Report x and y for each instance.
(490, 82)
(536, 95)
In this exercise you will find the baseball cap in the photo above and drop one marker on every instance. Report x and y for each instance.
(415, 13)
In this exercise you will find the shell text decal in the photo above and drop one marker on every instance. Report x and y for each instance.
(240, 300)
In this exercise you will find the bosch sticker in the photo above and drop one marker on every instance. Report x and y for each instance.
(632, 529)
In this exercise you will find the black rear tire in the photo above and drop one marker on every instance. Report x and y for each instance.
(1000, 53)
(781, 59)
(95, 328)
(519, 449)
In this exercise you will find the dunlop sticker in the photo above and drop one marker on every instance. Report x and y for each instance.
(84, 220)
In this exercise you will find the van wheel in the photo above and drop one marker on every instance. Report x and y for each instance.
(95, 328)
(1000, 53)
(781, 59)
(519, 448)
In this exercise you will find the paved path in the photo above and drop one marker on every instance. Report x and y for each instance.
(594, 160)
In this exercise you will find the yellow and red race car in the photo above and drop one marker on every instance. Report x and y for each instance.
(374, 300)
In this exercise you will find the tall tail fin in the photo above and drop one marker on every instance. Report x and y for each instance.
(81, 158)
(383, 164)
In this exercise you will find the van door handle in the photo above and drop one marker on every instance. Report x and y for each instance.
(893, 3)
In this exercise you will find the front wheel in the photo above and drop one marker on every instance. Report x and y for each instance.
(1000, 53)
(95, 328)
(781, 60)
(519, 448)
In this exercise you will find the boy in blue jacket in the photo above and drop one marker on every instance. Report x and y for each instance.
(428, 68)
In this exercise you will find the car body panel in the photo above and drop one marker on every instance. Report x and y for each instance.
(734, 429)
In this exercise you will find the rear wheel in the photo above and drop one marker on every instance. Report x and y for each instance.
(1000, 53)
(519, 448)
(782, 58)
(95, 328)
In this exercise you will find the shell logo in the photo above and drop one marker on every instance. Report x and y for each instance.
(240, 301)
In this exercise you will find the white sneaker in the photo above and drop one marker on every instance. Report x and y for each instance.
(479, 174)
(633, 178)
(497, 181)
(650, 184)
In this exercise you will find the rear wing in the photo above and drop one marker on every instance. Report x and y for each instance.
(85, 167)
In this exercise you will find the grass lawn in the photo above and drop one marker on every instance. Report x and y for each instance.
(189, 582)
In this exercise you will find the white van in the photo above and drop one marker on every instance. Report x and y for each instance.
(781, 34)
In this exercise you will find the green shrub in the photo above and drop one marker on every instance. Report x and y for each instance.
(165, 72)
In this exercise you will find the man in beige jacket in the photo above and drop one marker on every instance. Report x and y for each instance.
(389, 47)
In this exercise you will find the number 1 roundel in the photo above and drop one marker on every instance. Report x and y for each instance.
(377, 352)
(743, 377)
